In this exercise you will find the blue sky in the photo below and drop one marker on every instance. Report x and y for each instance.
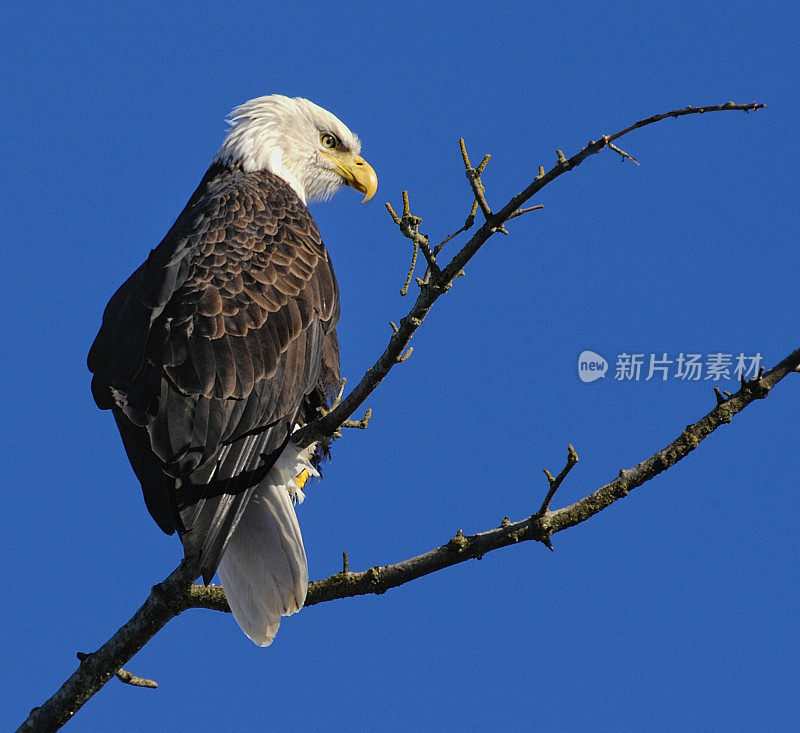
(675, 608)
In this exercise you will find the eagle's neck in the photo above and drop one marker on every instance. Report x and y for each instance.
(250, 154)
(219, 173)
(216, 173)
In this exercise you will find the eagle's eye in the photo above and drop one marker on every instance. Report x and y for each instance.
(329, 140)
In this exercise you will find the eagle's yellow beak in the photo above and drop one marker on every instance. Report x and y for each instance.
(357, 173)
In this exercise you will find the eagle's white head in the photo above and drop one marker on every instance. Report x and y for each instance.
(307, 146)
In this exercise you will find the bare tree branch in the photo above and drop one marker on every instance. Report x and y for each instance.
(177, 593)
(440, 283)
(166, 600)
(539, 526)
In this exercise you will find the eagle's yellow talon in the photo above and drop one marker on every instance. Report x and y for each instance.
(301, 478)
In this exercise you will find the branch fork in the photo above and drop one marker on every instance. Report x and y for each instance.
(554, 483)
(409, 228)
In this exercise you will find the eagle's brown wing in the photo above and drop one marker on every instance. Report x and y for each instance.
(214, 348)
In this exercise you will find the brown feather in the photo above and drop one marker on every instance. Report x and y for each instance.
(210, 302)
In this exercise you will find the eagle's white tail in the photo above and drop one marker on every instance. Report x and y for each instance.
(264, 570)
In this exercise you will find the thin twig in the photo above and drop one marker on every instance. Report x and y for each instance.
(409, 228)
(727, 107)
(404, 357)
(622, 153)
(474, 178)
(572, 459)
(322, 410)
(360, 424)
(470, 220)
(520, 212)
(127, 677)
(411, 268)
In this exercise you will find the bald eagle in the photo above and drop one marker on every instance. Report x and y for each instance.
(223, 342)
